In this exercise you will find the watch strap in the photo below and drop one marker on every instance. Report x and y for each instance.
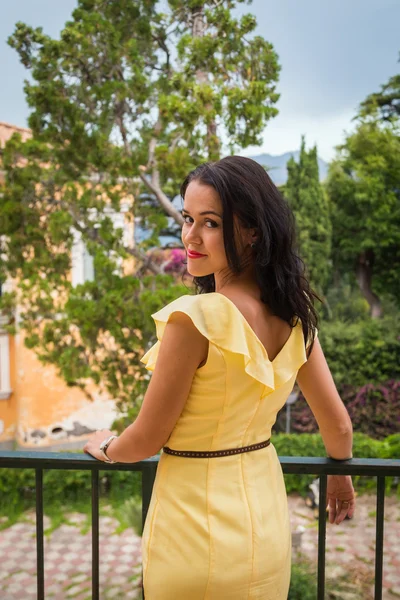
(103, 448)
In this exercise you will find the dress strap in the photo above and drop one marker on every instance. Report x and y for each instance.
(216, 453)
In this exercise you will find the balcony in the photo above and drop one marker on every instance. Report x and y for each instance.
(321, 467)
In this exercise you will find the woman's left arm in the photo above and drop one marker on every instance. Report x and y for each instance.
(181, 351)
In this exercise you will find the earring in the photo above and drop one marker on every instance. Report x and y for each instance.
(253, 245)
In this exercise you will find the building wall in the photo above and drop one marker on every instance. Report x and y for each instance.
(42, 410)
(8, 405)
(37, 409)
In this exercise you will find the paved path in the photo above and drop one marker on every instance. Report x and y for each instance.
(68, 551)
(68, 561)
(350, 546)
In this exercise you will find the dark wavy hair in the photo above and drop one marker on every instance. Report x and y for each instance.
(247, 192)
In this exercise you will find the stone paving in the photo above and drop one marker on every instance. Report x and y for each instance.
(67, 564)
(349, 547)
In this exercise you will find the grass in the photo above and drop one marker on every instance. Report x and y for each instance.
(86, 590)
(357, 581)
(126, 510)
(367, 561)
(129, 515)
(11, 514)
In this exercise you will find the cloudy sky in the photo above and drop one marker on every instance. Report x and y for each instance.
(332, 53)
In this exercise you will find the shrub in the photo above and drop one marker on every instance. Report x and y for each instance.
(362, 352)
(312, 445)
(17, 487)
(373, 409)
(303, 582)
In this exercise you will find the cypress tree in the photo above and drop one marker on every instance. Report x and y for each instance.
(310, 205)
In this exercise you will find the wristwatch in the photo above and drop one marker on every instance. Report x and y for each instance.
(103, 448)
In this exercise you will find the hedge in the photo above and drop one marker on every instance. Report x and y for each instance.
(374, 409)
(306, 444)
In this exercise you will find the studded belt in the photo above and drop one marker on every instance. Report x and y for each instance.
(216, 453)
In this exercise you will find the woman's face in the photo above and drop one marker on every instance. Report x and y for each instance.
(202, 230)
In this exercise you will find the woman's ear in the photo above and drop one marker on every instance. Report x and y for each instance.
(254, 235)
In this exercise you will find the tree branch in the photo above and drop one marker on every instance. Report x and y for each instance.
(161, 197)
(92, 234)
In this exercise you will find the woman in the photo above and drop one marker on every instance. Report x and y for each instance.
(224, 364)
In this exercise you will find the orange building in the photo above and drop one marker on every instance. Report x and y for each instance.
(37, 409)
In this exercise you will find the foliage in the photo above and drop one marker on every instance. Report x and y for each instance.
(17, 488)
(171, 260)
(123, 105)
(344, 301)
(303, 582)
(367, 351)
(129, 514)
(373, 409)
(364, 189)
(387, 101)
(351, 584)
(363, 355)
(311, 444)
(309, 203)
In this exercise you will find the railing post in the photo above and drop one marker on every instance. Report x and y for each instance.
(321, 536)
(380, 510)
(148, 477)
(39, 534)
(95, 535)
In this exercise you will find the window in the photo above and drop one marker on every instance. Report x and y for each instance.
(82, 261)
(5, 388)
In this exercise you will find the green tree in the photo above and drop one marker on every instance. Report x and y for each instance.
(387, 101)
(309, 202)
(364, 188)
(123, 105)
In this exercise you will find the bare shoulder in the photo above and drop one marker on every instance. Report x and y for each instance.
(259, 315)
(247, 305)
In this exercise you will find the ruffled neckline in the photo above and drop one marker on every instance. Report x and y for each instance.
(272, 373)
(215, 316)
(247, 324)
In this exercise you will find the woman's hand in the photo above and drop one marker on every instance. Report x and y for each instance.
(92, 446)
(340, 498)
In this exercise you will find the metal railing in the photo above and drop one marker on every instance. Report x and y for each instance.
(294, 465)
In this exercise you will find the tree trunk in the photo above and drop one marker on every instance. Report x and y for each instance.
(198, 30)
(364, 266)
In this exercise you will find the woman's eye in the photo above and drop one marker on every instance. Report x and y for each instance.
(210, 224)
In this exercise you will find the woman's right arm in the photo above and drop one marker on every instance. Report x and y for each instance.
(316, 383)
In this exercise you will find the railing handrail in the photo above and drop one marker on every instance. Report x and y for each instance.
(290, 464)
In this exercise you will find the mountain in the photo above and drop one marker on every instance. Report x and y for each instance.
(276, 165)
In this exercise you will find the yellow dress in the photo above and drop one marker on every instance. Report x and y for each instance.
(218, 528)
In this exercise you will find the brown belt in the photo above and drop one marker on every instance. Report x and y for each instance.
(215, 453)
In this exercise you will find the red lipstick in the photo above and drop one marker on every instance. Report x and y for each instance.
(192, 254)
